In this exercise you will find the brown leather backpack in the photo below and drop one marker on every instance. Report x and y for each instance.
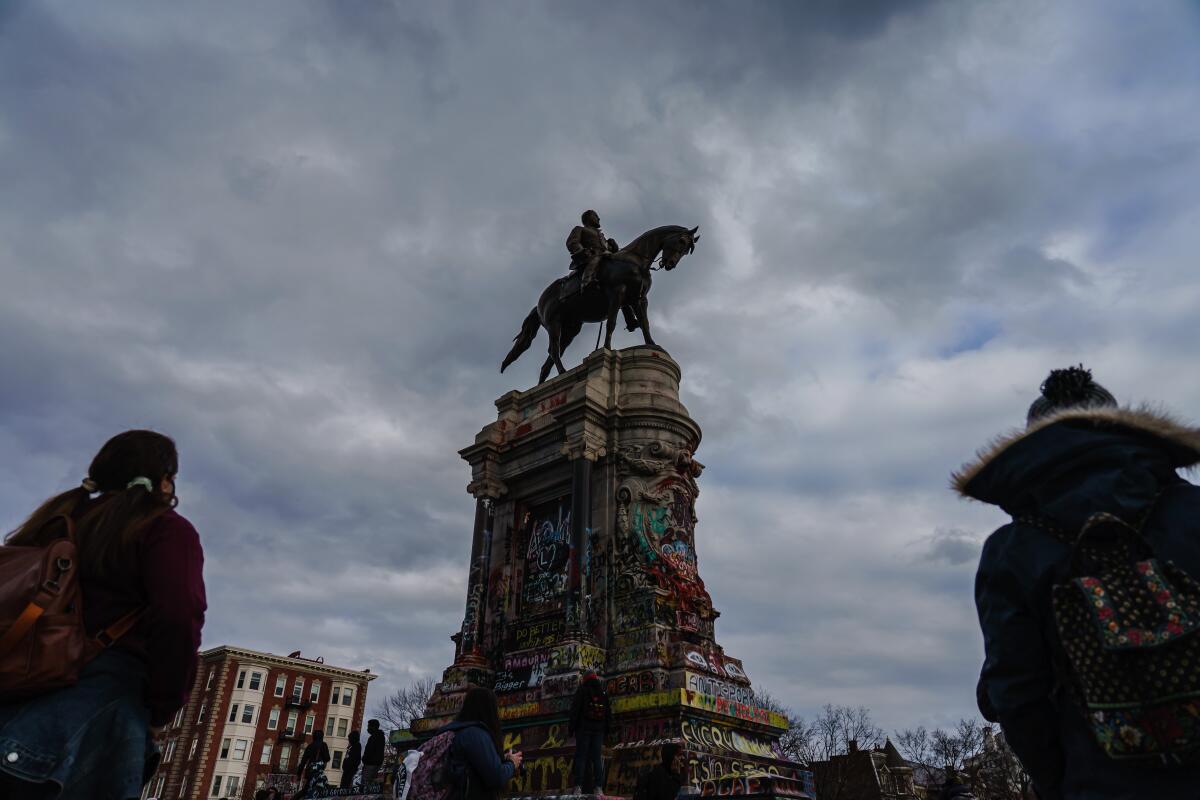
(43, 641)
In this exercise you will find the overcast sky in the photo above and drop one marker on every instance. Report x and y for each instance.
(299, 236)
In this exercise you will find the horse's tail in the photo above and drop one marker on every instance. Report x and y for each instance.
(522, 340)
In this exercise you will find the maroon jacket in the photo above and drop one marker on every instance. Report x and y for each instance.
(167, 579)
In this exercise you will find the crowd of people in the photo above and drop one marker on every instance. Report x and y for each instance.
(1097, 506)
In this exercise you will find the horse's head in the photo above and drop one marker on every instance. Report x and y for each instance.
(678, 246)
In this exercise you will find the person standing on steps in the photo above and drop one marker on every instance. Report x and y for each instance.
(372, 757)
(591, 715)
(351, 762)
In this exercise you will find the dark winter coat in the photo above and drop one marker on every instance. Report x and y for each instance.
(486, 772)
(373, 753)
(1063, 469)
(580, 722)
(353, 755)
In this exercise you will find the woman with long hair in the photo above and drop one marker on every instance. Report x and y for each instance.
(477, 746)
(138, 559)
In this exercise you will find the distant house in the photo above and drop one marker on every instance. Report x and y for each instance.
(875, 774)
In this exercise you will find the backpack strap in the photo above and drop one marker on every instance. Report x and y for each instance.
(109, 636)
(21, 626)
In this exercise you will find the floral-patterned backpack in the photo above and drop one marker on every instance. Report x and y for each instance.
(1128, 626)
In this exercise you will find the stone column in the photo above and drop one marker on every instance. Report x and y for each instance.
(582, 452)
(471, 636)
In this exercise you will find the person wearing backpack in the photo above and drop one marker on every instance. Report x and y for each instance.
(314, 759)
(474, 751)
(591, 714)
(139, 610)
(1079, 457)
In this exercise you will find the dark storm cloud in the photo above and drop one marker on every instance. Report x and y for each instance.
(300, 236)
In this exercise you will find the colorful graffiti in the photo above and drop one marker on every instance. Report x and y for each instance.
(636, 682)
(536, 737)
(576, 656)
(559, 685)
(539, 634)
(730, 708)
(707, 684)
(547, 557)
(510, 680)
(703, 735)
(761, 785)
(524, 660)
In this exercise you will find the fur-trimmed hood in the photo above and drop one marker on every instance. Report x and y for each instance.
(1074, 434)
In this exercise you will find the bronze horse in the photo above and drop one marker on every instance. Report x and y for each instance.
(622, 282)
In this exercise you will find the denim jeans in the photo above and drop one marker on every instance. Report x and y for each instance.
(89, 740)
(589, 761)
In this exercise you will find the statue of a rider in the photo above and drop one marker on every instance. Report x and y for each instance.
(587, 244)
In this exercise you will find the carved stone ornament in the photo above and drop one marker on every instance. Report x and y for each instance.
(656, 520)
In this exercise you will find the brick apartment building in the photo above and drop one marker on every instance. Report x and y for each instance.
(250, 715)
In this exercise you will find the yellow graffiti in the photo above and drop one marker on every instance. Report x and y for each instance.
(554, 738)
(732, 708)
(637, 702)
(511, 741)
(522, 710)
(543, 774)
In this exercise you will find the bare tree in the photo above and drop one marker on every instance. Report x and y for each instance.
(970, 748)
(828, 737)
(401, 707)
(796, 742)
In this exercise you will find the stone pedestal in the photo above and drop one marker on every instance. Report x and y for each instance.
(584, 559)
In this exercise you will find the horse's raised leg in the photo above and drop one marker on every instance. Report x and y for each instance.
(546, 369)
(616, 299)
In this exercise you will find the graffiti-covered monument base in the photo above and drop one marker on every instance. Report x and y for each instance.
(584, 558)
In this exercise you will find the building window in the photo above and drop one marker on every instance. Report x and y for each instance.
(169, 753)
(315, 692)
(273, 719)
(265, 758)
(308, 723)
(183, 787)
(290, 728)
(247, 714)
(224, 749)
(233, 712)
(241, 679)
(232, 785)
(212, 673)
(178, 717)
(297, 689)
(255, 680)
(239, 750)
(337, 759)
(280, 683)
(216, 790)
(158, 789)
(329, 726)
(285, 755)
(341, 727)
(337, 695)
(346, 693)
(200, 716)
(192, 748)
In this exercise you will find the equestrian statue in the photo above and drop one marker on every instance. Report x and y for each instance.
(603, 281)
